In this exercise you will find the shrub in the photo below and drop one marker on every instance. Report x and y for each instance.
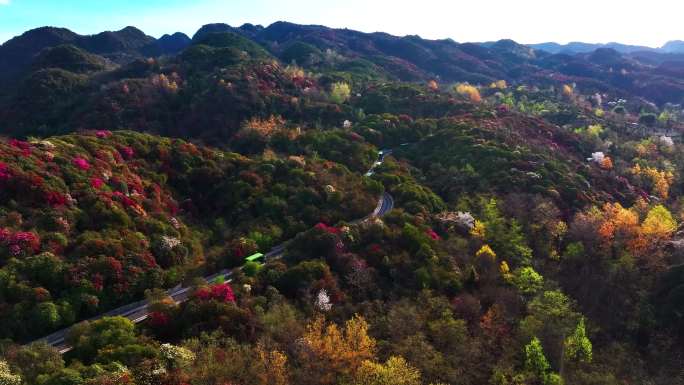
(340, 92)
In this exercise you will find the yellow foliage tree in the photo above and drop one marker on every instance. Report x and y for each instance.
(486, 252)
(505, 271)
(327, 353)
(224, 361)
(396, 371)
(658, 226)
(340, 92)
(271, 367)
(659, 223)
(9, 378)
(660, 181)
(470, 91)
(500, 84)
(295, 72)
(165, 83)
(479, 230)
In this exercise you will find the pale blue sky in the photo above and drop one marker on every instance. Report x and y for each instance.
(528, 21)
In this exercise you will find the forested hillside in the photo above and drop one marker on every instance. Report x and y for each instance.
(533, 235)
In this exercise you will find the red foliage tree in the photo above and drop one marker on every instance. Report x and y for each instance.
(55, 199)
(203, 293)
(220, 292)
(159, 319)
(326, 228)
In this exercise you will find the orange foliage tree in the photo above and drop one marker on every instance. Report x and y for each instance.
(264, 127)
(617, 229)
(568, 90)
(469, 91)
(607, 163)
(166, 83)
(619, 225)
(327, 354)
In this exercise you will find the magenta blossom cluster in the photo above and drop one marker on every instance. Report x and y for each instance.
(81, 163)
(432, 234)
(19, 242)
(96, 183)
(103, 134)
(4, 172)
(25, 147)
(127, 152)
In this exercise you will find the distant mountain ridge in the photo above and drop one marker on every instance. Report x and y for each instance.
(118, 46)
(650, 74)
(617, 69)
(673, 46)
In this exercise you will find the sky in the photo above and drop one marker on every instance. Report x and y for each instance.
(642, 22)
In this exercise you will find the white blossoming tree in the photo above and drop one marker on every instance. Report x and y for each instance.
(176, 356)
(597, 157)
(323, 301)
(169, 243)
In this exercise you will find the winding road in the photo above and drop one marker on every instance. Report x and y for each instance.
(139, 311)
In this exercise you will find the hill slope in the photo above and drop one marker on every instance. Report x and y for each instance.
(534, 237)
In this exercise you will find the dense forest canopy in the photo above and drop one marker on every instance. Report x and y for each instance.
(526, 226)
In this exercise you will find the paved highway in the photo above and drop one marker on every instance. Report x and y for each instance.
(139, 311)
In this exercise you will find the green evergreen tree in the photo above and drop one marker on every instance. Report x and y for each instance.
(578, 346)
(535, 360)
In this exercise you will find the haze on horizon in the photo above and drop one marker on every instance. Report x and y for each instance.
(649, 23)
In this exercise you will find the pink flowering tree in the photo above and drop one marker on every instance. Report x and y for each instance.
(81, 163)
(432, 234)
(96, 183)
(24, 147)
(20, 243)
(4, 172)
(127, 152)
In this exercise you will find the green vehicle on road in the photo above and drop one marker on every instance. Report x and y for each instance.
(254, 257)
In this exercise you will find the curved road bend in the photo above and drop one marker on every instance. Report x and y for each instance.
(138, 311)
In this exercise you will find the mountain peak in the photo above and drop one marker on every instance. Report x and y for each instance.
(212, 28)
(131, 29)
(512, 47)
(169, 44)
(673, 46)
(38, 38)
